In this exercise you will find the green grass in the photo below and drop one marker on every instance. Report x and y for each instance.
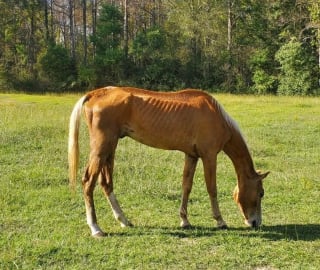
(42, 223)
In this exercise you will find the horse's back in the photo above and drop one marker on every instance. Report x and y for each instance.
(184, 95)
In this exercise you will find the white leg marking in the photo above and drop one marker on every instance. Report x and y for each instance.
(94, 227)
(117, 211)
(95, 230)
(184, 219)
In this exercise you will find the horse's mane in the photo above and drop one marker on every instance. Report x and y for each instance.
(230, 121)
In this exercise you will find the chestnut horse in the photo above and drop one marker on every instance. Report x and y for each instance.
(190, 121)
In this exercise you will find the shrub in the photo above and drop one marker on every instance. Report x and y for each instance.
(261, 64)
(58, 66)
(297, 70)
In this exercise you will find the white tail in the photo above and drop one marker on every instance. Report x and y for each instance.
(73, 143)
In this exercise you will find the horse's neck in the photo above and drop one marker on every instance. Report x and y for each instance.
(237, 150)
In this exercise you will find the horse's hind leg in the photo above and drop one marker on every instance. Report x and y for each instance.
(88, 184)
(106, 183)
(187, 181)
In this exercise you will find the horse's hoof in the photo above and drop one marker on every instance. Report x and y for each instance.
(223, 227)
(127, 224)
(99, 234)
(187, 227)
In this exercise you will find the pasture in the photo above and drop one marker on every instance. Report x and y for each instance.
(43, 226)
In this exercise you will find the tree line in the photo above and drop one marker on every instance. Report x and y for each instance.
(237, 46)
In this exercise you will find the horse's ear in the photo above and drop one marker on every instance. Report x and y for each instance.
(262, 176)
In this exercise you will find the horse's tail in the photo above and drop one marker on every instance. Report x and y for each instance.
(73, 143)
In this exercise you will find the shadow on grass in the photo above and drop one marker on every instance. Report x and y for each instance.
(292, 232)
(295, 232)
(169, 231)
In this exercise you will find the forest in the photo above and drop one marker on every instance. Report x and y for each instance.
(234, 46)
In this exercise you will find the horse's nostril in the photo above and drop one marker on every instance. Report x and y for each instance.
(254, 224)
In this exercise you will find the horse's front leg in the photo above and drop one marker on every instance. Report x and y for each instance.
(187, 181)
(210, 167)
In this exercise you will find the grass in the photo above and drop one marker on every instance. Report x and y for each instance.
(42, 224)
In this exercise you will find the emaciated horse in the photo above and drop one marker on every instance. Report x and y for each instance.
(190, 121)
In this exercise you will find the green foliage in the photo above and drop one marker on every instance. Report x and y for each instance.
(228, 46)
(43, 223)
(58, 66)
(161, 74)
(197, 42)
(263, 82)
(148, 45)
(156, 69)
(20, 44)
(109, 28)
(86, 77)
(296, 77)
(107, 40)
(261, 67)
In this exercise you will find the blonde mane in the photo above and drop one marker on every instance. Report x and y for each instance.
(230, 121)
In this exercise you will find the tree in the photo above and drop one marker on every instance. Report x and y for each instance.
(296, 77)
(125, 30)
(72, 34)
(59, 67)
(314, 24)
(261, 66)
(156, 68)
(198, 41)
(22, 36)
(224, 45)
(107, 41)
(84, 22)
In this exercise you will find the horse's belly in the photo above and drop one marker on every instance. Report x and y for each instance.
(168, 140)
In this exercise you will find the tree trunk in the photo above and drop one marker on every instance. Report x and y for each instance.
(46, 20)
(71, 26)
(229, 25)
(318, 55)
(229, 48)
(31, 45)
(84, 21)
(125, 29)
(94, 22)
(51, 20)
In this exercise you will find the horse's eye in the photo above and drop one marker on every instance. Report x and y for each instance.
(262, 194)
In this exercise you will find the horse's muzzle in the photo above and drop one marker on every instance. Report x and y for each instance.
(254, 224)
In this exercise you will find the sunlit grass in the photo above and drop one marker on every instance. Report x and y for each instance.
(42, 223)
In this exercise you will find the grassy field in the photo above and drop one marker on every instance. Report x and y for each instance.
(42, 223)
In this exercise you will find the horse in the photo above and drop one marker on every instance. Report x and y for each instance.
(190, 121)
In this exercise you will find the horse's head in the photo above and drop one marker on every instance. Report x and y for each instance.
(248, 197)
